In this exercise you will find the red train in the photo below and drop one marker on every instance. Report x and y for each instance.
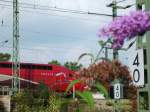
(55, 77)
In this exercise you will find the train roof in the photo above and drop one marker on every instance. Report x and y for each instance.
(39, 64)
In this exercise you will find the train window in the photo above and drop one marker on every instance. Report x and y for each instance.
(4, 65)
(49, 67)
(33, 67)
(44, 67)
(70, 75)
(36, 67)
(26, 66)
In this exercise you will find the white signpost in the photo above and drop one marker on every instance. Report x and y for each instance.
(117, 91)
(136, 65)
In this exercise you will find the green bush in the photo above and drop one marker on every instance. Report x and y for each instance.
(43, 100)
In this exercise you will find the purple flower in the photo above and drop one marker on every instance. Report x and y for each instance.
(127, 27)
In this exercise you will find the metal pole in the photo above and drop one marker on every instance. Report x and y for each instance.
(114, 7)
(114, 13)
(15, 58)
(106, 52)
(74, 92)
(115, 51)
(144, 107)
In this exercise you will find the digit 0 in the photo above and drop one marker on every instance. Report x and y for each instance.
(136, 75)
(117, 94)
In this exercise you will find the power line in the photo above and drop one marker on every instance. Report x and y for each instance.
(71, 17)
(53, 34)
(40, 7)
(61, 48)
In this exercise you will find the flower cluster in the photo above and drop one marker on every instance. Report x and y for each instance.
(127, 27)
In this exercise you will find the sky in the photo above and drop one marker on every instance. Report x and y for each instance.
(47, 35)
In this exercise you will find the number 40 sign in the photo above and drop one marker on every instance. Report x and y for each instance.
(136, 66)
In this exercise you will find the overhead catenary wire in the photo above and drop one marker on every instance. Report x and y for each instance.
(41, 50)
(40, 7)
(57, 15)
(43, 7)
(51, 34)
(39, 32)
(47, 7)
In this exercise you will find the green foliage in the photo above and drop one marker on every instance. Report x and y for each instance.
(42, 100)
(54, 103)
(101, 43)
(2, 107)
(55, 62)
(102, 90)
(87, 97)
(79, 110)
(121, 105)
(73, 65)
(5, 57)
(70, 65)
(43, 91)
(70, 86)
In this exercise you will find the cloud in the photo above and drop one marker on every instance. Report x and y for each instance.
(55, 35)
(39, 55)
(80, 48)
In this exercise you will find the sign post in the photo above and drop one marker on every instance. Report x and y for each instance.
(118, 93)
(136, 66)
(143, 93)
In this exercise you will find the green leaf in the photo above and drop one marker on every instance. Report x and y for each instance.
(55, 62)
(79, 110)
(101, 43)
(70, 86)
(102, 90)
(87, 97)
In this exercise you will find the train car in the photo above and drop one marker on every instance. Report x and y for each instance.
(55, 77)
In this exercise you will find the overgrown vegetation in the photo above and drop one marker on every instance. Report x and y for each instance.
(2, 108)
(69, 64)
(73, 65)
(5, 57)
(55, 62)
(41, 100)
(44, 100)
(105, 72)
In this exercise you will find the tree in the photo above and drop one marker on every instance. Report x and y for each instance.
(70, 65)
(106, 72)
(73, 65)
(55, 62)
(5, 57)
